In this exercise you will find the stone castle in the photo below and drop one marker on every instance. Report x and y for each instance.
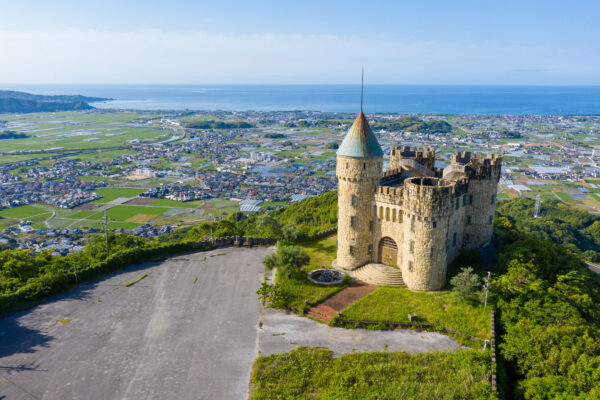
(414, 217)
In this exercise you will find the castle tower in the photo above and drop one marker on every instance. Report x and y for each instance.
(429, 209)
(484, 174)
(359, 167)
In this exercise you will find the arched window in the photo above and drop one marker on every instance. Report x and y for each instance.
(387, 213)
(393, 215)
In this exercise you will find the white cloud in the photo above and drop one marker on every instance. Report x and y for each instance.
(156, 56)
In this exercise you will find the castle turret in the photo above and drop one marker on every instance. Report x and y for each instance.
(483, 174)
(359, 167)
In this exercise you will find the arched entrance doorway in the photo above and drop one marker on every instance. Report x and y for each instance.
(388, 251)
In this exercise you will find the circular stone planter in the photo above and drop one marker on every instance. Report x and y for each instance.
(325, 276)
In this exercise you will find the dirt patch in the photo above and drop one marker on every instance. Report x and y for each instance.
(141, 218)
(140, 201)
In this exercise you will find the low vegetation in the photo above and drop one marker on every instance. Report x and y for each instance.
(575, 229)
(442, 309)
(549, 319)
(136, 281)
(293, 262)
(309, 373)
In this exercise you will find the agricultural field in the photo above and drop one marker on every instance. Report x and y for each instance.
(80, 130)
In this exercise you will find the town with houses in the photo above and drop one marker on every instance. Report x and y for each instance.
(153, 172)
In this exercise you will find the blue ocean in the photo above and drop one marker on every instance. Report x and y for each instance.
(436, 99)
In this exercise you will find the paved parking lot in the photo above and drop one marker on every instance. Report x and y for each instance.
(169, 336)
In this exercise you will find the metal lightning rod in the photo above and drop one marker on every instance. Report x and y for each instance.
(362, 87)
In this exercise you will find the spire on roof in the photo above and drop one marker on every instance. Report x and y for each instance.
(360, 142)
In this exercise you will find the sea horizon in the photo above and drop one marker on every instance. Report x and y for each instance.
(378, 98)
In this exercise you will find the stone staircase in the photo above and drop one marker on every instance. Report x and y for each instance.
(412, 164)
(379, 274)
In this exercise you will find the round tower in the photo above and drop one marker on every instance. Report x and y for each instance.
(359, 167)
(428, 209)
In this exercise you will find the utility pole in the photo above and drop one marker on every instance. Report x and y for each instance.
(486, 286)
(75, 269)
(106, 231)
(538, 202)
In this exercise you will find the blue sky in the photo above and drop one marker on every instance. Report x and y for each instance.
(399, 42)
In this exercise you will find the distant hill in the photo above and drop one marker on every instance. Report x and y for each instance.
(20, 102)
(218, 125)
(414, 124)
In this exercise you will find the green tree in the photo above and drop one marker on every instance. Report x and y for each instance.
(291, 259)
(466, 283)
(267, 226)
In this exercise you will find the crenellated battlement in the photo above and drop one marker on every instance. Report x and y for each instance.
(478, 166)
(426, 157)
(459, 157)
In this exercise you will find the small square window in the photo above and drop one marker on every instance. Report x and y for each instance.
(434, 224)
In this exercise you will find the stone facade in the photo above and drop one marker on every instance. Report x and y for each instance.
(416, 223)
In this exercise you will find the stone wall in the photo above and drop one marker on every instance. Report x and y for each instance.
(357, 179)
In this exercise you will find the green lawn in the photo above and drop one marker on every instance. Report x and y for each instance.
(441, 309)
(312, 373)
(110, 194)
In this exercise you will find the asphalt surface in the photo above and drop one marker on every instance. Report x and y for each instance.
(164, 337)
(168, 336)
(283, 332)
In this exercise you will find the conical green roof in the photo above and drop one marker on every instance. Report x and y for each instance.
(360, 142)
